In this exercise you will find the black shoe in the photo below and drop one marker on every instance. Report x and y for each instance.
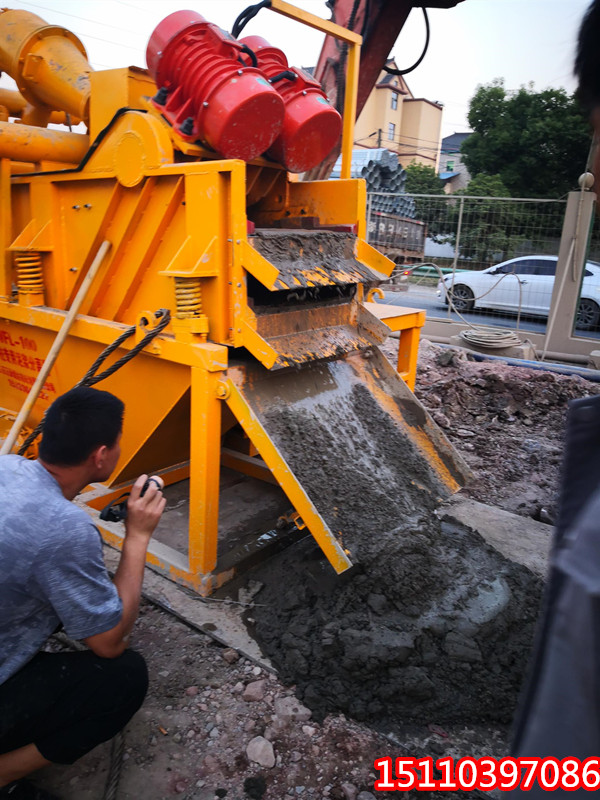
(23, 790)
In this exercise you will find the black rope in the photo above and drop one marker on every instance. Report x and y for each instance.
(366, 17)
(90, 378)
(117, 748)
(246, 15)
(393, 71)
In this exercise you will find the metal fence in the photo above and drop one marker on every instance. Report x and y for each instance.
(497, 255)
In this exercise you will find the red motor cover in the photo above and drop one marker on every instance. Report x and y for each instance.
(210, 94)
(311, 126)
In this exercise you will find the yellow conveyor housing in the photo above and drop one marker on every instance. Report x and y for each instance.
(268, 320)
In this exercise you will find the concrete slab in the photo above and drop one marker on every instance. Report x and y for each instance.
(220, 619)
(520, 539)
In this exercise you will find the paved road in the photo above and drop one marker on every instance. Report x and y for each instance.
(427, 299)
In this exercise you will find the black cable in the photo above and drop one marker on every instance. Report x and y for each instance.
(246, 15)
(366, 17)
(241, 22)
(340, 67)
(93, 147)
(287, 73)
(331, 6)
(90, 378)
(353, 13)
(251, 53)
(393, 71)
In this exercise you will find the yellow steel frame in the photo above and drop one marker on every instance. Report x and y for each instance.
(409, 322)
(137, 220)
(353, 41)
(166, 223)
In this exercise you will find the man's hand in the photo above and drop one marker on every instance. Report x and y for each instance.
(144, 511)
(143, 514)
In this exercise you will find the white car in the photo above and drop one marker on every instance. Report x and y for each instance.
(522, 283)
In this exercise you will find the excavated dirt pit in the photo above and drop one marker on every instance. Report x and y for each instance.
(507, 423)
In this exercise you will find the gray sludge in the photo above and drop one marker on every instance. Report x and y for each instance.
(432, 624)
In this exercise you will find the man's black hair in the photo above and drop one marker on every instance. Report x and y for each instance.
(587, 61)
(77, 423)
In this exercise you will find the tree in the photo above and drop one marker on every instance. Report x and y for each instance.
(421, 179)
(537, 142)
(490, 229)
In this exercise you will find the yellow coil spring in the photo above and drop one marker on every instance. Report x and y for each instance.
(30, 279)
(188, 297)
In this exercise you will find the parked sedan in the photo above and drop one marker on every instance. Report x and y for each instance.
(521, 283)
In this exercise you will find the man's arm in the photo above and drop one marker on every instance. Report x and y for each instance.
(143, 514)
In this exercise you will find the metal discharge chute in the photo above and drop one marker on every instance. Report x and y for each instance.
(264, 378)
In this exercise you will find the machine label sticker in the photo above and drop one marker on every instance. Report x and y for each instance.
(10, 354)
(506, 774)
(22, 341)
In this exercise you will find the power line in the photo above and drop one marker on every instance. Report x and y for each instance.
(84, 19)
(400, 142)
(129, 5)
(405, 136)
(405, 140)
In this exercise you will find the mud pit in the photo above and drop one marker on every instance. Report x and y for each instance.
(433, 623)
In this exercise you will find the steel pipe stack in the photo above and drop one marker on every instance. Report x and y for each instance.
(386, 180)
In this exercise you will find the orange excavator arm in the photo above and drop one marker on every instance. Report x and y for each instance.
(379, 22)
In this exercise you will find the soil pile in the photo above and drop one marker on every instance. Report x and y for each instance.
(507, 423)
(436, 626)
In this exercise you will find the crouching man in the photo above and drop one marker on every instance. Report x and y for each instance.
(55, 707)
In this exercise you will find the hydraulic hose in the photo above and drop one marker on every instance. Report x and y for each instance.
(561, 369)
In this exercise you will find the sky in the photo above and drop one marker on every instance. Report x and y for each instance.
(521, 41)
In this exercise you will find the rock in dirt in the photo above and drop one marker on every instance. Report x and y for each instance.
(260, 750)
(349, 791)
(254, 691)
(288, 710)
(255, 786)
(230, 655)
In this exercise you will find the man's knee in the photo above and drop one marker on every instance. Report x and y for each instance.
(128, 676)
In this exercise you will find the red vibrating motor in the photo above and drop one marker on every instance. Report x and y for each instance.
(311, 127)
(238, 97)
